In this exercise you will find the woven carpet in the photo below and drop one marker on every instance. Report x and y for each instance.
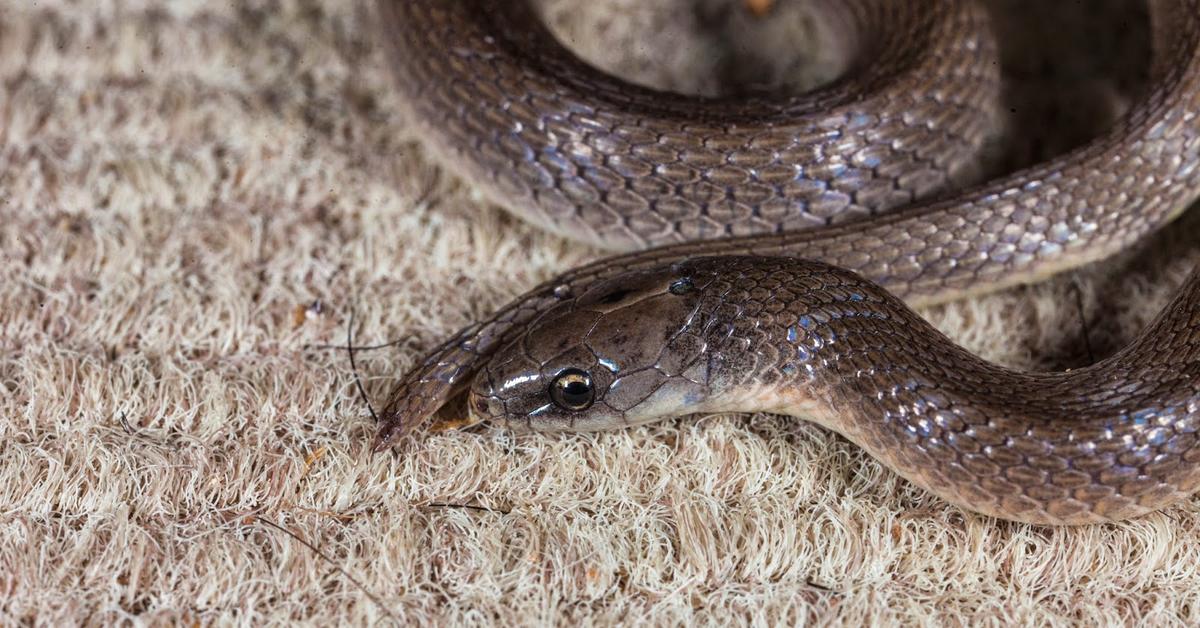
(194, 198)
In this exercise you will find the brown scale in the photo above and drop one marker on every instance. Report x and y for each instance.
(769, 334)
(835, 176)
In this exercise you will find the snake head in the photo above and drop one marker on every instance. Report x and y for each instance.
(624, 351)
(707, 335)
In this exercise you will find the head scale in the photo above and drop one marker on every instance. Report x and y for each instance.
(625, 351)
(716, 334)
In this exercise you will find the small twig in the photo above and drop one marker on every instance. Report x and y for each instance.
(819, 587)
(465, 506)
(374, 598)
(354, 367)
(359, 349)
(129, 429)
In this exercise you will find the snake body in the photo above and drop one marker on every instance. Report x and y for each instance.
(837, 177)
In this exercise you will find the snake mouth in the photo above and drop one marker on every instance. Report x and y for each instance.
(489, 410)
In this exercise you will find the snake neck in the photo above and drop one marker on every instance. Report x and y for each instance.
(1109, 441)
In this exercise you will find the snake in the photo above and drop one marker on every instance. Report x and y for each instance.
(766, 251)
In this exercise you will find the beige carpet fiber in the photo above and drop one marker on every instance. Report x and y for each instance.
(194, 196)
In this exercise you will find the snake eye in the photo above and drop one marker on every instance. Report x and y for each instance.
(572, 390)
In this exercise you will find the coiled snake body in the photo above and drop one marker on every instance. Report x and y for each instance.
(774, 238)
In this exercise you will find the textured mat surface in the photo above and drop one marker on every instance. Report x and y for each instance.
(193, 197)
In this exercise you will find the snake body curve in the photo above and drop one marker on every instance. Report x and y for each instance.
(837, 177)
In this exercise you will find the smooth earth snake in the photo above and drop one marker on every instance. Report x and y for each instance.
(776, 239)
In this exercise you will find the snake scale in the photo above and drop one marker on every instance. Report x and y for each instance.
(772, 243)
